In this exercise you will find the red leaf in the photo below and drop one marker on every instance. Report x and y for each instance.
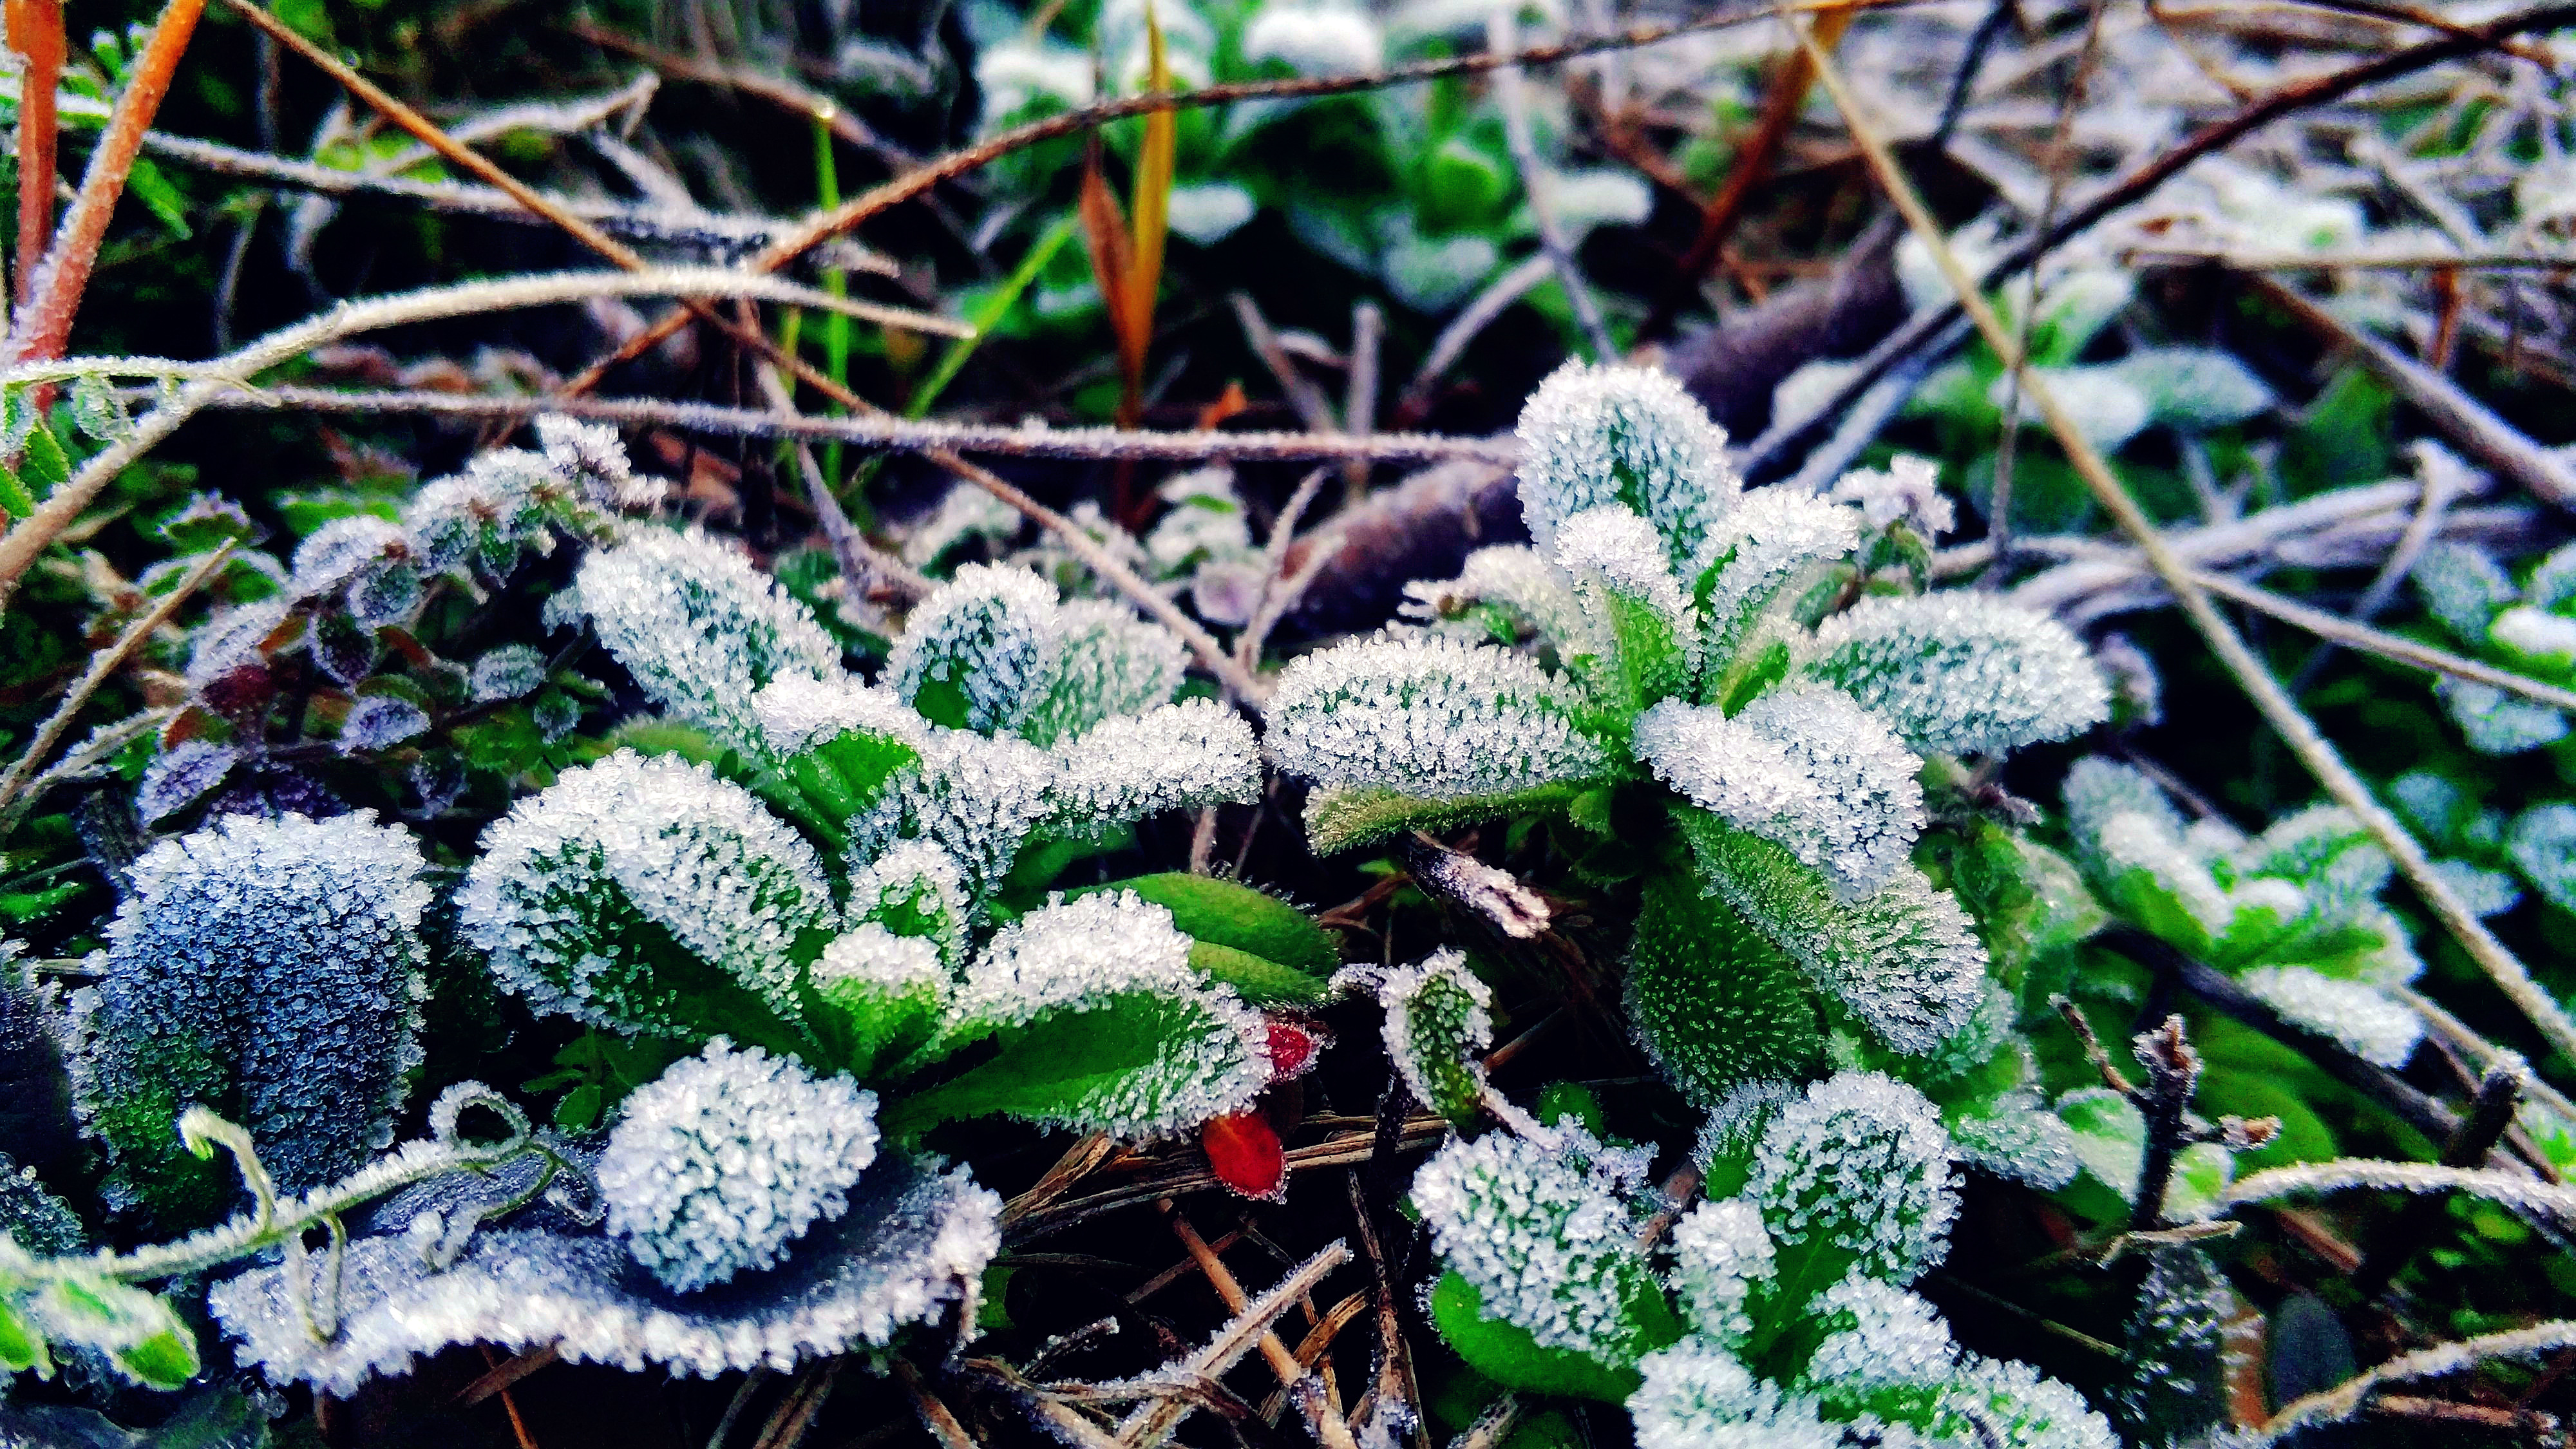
(1245, 1155)
(1294, 1045)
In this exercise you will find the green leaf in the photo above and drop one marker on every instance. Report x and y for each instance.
(1713, 1001)
(1065, 1064)
(1257, 979)
(14, 497)
(1505, 1352)
(45, 463)
(159, 195)
(21, 1346)
(166, 1360)
(1337, 820)
(1227, 913)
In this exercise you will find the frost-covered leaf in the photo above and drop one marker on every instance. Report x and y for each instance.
(1907, 491)
(1543, 1234)
(1592, 436)
(1110, 663)
(1172, 757)
(716, 1167)
(975, 798)
(1766, 551)
(1721, 1254)
(179, 777)
(1804, 767)
(913, 1240)
(700, 627)
(1624, 584)
(1429, 718)
(384, 595)
(2464, 587)
(1960, 674)
(2176, 1387)
(877, 997)
(95, 1319)
(345, 651)
(511, 671)
(838, 742)
(1439, 1023)
(2194, 389)
(1341, 819)
(380, 721)
(590, 456)
(1500, 594)
(483, 517)
(647, 895)
(1904, 961)
(1695, 1395)
(2107, 406)
(983, 652)
(2497, 723)
(1853, 1175)
(1099, 1025)
(343, 548)
(2542, 842)
(915, 890)
(268, 971)
(1209, 908)
(2375, 1026)
(1713, 1002)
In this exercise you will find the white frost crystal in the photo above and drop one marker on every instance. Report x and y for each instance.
(1629, 435)
(1861, 1162)
(1541, 1233)
(990, 637)
(1908, 491)
(1171, 757)
(576, 883)
(1961, 674)
(1427, 716)
(727, 1158)
(1805, 767)
(797, 712)
(1720, 1251)
(913, 1240)
(1096, 953)
(270, 970)
(700, 627)
(2464, 586)
(1439, 1023)
(1877, 1333)
(1697, 1396)
(1768, 544)
(2377, 1027)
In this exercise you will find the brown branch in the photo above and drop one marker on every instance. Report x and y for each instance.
(2173, 1072)
(2490, 1113)
(36, 34)
(45, 323)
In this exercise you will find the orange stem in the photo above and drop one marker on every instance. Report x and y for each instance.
(45, 324)
(36, 33)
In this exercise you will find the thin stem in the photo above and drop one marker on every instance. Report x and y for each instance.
(102, 666)
(1502, 37)
(2380, 642)
(2311, 746)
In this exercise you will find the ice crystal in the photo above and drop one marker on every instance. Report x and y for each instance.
(700, 627)
(1111, 663)
(1765, 548)
(1315, 37)
(974, 798)
(1959, 674)
(1627, 435)
(2016, 1137)
(1512, 585)
(1720, 1252)
(509, 672)
(1541, 1235)
(727, 1158)
(1908, 491)
(337, 552)
(985, 644)
(1439, 1023)
(590, 455)
(1197, 752)
(583, 890)
(2364, 1018)
(1696, 1395)
(1994, 1400)
(1905, 960)
(915, 890)
(1868, 806)
(1878, 1334)
(796, 712)
(1620, 573)
(966, 512)
(2463, 586)
(913, 1240)
(1427, 716)
(1121, 956)
(1860, 1162)
(180, 776)
(270, 971)
(378, 721)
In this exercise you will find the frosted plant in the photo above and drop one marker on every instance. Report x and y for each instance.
(1439, 1023)
(1004, 714)
(1777, 1317)
(715, 1168)
(270, 971)
(2527, 628)
(699, 627)
(1657, 656)
(2292, 913)
(585, 894)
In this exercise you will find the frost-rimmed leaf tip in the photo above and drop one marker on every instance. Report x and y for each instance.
(1595, 435)
(1956, 674)
(727, 1158)
(1541, 1231)
(1429, 717)
(700, 626)
(1859, 1162)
